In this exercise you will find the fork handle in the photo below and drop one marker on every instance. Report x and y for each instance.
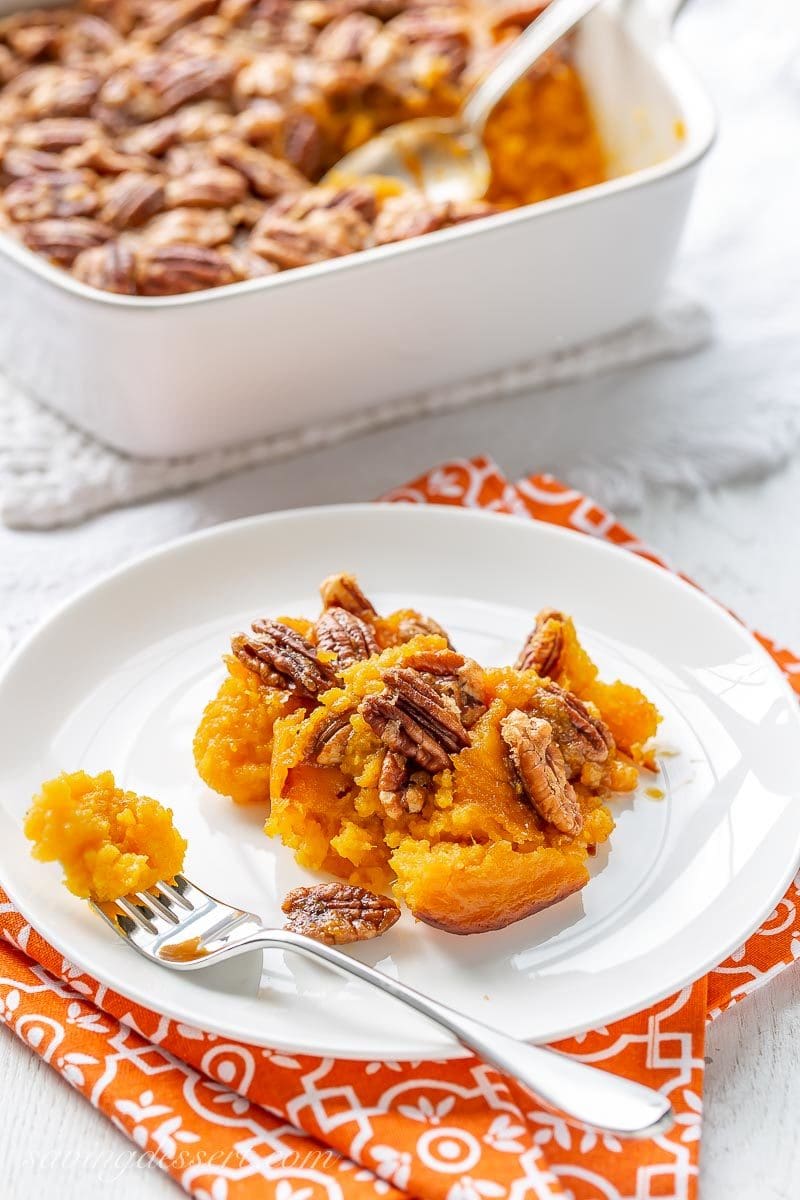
(574, 1089)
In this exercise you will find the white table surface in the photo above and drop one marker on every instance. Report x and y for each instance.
(742, 255)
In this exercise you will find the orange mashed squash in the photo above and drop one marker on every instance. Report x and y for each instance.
(473, 851)
(110, 842)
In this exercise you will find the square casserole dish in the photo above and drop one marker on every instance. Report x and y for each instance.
(180, 375)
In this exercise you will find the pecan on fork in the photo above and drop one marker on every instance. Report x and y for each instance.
(539, 767)
(283, 658)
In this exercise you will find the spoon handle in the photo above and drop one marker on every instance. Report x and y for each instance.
(556, 20)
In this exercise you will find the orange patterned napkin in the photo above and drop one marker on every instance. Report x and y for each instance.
(234, 1122)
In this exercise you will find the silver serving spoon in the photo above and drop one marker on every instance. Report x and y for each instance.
(445, 156)
(178, 925)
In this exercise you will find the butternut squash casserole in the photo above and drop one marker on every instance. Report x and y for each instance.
(154, 147)
(394, 763)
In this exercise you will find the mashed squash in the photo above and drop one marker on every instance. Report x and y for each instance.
(110, 842)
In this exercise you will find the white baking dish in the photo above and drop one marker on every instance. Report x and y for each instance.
(183, 374)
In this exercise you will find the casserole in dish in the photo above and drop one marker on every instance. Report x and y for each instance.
(157, 375)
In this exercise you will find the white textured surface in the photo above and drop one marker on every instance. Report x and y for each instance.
(52, 474)
(741, 543)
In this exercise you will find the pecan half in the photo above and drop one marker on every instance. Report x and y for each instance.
(544, 645)
(169, 270)
(56, 133)
(268, 176)
(51, 194)
(194, 78)
(303, 144)
(337, 913)
(189, 226)
(343, 591)
(62, 241)
(582, 736)
(412, 718)
(419, 625)
(400, 791)
(539, 767)
(290, 243)
(110, 267)
(433, 711)
(392, 782)
(345, 635)
(132, 199)
(283, 658)
(330, 740)
(209, 187)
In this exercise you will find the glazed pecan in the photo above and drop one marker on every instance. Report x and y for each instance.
(539, 767)
(303, 144)
(283, 658)
(343, 591)
(418, 625)
(246, 265)
(55, 91)
(155, 137)
(345, 635)
(19, 162)
(392, 782)
(56, 133)
(544, 645)
(582, 736)
(209, 187)
(400, 791)
(51, 194)
(98, 154)
(267, 175)
(195, 78)
(412, 718)
(189, 226)
(337, 913)
(132, 199)
(170, 270)
(110, 267)
(348, 37)
(330, 739)
(63, 240)
(428, 707)
(291, 243)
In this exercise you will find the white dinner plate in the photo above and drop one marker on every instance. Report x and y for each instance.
(119, 676)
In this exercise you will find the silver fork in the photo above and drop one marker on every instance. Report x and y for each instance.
(178, 925)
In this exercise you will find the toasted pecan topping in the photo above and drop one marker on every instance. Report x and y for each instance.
(132, 199)
(414, 719)
(63, 240)
(283, 658)
(343, 591)
(345, 635)
(338, 913)
(411, 627)
(392, 782)
(110, 266)
(539, 767)
(544, 645)
(330, 740)
(583, 736)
